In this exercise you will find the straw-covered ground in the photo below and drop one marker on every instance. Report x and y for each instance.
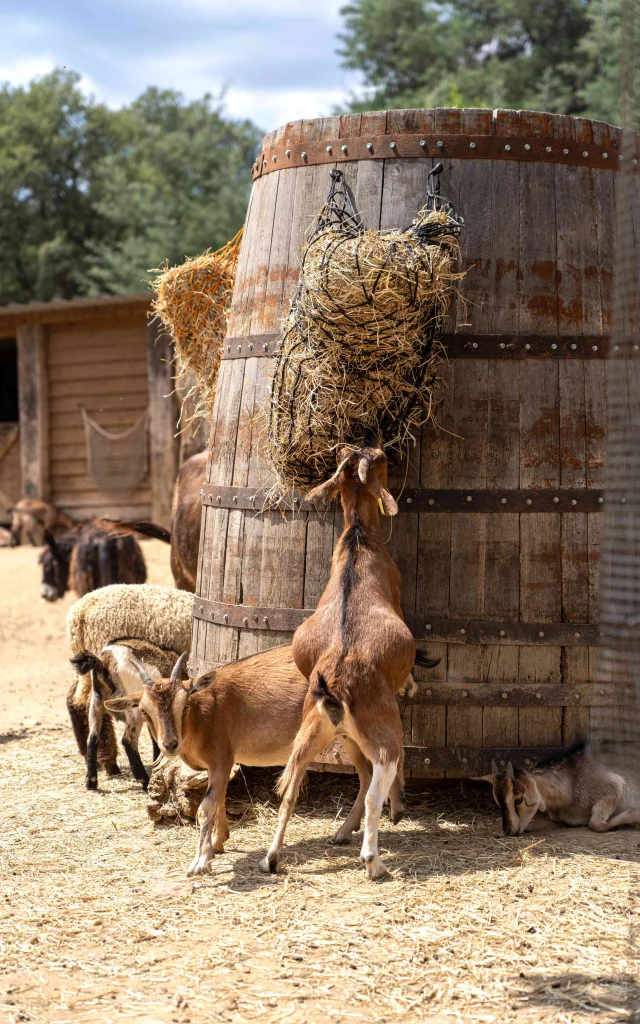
(100, 923)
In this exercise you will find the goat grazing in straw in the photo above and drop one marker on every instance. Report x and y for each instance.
(247, 712)
(355, 650)
(590, 784)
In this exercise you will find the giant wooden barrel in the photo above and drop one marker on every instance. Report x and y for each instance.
(497, 537)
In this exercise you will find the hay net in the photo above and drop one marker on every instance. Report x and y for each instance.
(193, 302)
(361, 344)
(117, 461)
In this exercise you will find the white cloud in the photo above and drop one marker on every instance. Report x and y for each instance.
(21, 70)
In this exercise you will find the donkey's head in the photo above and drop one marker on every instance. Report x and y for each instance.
(55, 561)
(162, 703)
(361, 472)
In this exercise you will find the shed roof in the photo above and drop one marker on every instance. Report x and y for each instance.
(73, 310)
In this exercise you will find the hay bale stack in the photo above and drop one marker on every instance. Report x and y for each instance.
(193, 302)
(361, 345)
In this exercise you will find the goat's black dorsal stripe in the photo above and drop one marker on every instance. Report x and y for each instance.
(354, 538)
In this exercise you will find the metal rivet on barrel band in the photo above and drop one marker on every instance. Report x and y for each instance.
(507, 147)
(541, 634)
(462, 632)
(502, 632)
(573, 345)
(503, 501)
(303, 155)
(527, 346)
(287, 152)
(440, 144)
(502, 763)
(469, 497)
(465, 693)
(427, 760)
(274, 158)
(594, 348)
(431, 501)
(343, 148)
(218, 498)
(329, 149)
(565, 151)
(585, 152)
(600, 501)
(422, 143)
(225, 618)
(605, 156)
(472, 145)
(504, 696)
(529, 502)
(409, 500)
(554, 346)
(577, 636)
(538, 696)
(428, 625)
(370, 147)
(392, 145)
(527, 146)
(556, 500)
(573, 501)
(547, 149)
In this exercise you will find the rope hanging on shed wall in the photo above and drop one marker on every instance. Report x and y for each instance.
(361, 343)
(118, 462)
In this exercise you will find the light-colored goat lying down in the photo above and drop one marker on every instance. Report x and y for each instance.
(590, 784)
(247, 712)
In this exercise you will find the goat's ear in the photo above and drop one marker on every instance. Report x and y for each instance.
(484, 778)
(123, 703)
(201, 683)
(386, 501)
(323, 492)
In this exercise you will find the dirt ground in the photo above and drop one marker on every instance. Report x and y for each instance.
(99, 922)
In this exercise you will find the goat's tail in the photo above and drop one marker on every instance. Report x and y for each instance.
(421, 659)
(85, 662)
(328, 701)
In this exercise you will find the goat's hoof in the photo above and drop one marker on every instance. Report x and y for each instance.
(268, 865)
(200, 866)
(374, 867)
(341, 838)
(92, 783)
(112, 769)
(145, 784)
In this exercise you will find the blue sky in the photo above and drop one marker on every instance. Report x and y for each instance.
(276, 58)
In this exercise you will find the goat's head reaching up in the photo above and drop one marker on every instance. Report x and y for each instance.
(163, 703)
(361, 479)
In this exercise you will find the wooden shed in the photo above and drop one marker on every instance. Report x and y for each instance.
(100, 355)
(497, 539)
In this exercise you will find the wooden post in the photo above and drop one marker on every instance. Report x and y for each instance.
(163, 414)
(33, 410)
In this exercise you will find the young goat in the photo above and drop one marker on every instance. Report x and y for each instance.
(116, 673)
(247, 712)
(355, 650)
(592, 785)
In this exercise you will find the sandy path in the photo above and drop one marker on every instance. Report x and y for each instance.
(34, 658)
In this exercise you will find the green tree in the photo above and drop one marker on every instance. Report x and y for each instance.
(556, 55)
(92, 199)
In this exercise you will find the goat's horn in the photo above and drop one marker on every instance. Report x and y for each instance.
(494, 768)
(510, 774)
(142, 672)
(363, 469)
(336, 475)
(177, 669)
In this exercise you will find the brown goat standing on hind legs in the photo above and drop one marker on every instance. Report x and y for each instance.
(357, 653)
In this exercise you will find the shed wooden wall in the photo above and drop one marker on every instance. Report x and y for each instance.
(10, 475)
(102, 367)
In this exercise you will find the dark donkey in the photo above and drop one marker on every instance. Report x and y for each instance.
(94, 554)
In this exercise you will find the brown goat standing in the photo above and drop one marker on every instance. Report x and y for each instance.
(355, 650)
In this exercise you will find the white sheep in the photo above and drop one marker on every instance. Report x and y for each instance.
(104, 629)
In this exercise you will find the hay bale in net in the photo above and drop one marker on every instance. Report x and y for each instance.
(193, 302)
(361, 344)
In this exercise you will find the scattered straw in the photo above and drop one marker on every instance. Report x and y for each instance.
(100, 923)
(192, 302)
(361, 344)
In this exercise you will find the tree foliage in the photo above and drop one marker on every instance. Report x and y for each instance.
(91, 198)
(564, 56)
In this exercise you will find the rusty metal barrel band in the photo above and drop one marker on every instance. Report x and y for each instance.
(462, 346)
(420, 500)
(457, 631)
(442, 146)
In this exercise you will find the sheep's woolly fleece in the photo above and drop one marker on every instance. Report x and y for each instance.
(159, 615)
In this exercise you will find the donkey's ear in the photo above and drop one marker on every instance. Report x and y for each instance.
(50, 540)
(201, 683)
(123, 703)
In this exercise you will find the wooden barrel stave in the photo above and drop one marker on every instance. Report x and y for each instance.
(524, 424)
